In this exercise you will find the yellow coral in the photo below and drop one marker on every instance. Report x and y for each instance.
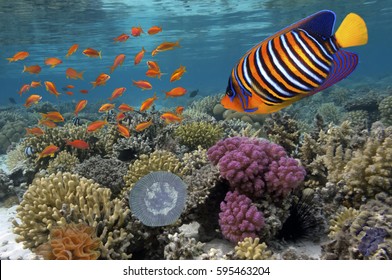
(196, 134)
(250, 249)
(62, 198)
(341, 220)
(64, 162)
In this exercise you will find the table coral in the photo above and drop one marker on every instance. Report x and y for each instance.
(62, 198)
(71, 242)
(238, 218)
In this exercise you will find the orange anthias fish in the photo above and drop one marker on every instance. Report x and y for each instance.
(48, 151)
(120, 116)
(84, 91)
(139, 56)
(298, 61)
(170, 117)
(69, 93)
(32, 69)
(51, 88)
(72, 50)
(148, 103)
(123, 130)
(121, 38)
(142, 126)
(176, 92)
(47, 123)
(177, 74)
(70, 86)
(97, 125)
(117, 93)
(35, 84)
(165, 46)
(92, 53)
(18, 56)
(24, 88)
(119, 60)
(152, 73)
(154, 30)
(136, 31)
(101, 80)
(78, 144)
(153, 65)
(52, 116)
(53, 61)
(34, 131)
(106, 107)
(71, 73)
(32, 99)
(125, 108)
(179, 109)
(80, 106)
(144, 85)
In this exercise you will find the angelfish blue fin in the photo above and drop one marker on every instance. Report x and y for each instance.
(344, 63)
(251, 110)
(321, 23)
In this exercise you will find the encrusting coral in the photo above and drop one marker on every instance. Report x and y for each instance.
(71, 242)
(251, 249)
(63, 198)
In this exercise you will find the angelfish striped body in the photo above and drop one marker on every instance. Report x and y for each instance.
(294, 63)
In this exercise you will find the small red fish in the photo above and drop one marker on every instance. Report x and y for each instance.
(148, 103)
(80, 106)
(32, 99)
(153, 65)
(142, 126)
(51, 88)
(144, 85)
(152, 73)
(69, 93)
(165, 46)
(123, 130)
(170, 117)
(92, 53)
(52, 116)
(72, 50)
(177, 74)
(106, 107)
(136, 31)
(33, 69)
(24, 89)
(47, 123)
(97, 125)
(101, 80)
(71, 73)
(125, 108)
(179, 109)
(176, 92)
(154, 30)
(119, 60)
(84, 91)
(34, 131)
(121, 38)
(120, 116)
(117, 93)
(70, 86)
(48, 151)
(18, 56)
(78, 144)
(53, 61)
(139, 56)
(35, 84)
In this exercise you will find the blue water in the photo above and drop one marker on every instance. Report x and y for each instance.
(213, 36)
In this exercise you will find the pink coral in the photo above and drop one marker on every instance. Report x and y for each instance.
(239, 219)
(245, 161)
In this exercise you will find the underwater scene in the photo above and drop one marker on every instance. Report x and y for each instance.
(175, 129)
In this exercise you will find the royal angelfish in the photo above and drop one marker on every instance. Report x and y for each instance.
(296, 62)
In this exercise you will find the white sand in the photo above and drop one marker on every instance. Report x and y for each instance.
(9, 249)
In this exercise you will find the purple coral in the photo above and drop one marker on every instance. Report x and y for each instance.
(244, 162)
(284, 176)
(239, 219)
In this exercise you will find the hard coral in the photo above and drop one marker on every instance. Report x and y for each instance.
(239, 219)
(251, 249)
(246, 162)
(71, 242)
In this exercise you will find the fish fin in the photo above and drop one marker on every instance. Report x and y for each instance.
(100, 54)
(10, 59)
(24, 68)
(320, 23)
(352, 32)
(344, 63)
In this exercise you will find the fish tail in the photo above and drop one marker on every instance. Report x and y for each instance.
(80, 75)
(100, 54)
(10, 59)
(352, 32)
(94, 84)
(24, 68)
(112, 69)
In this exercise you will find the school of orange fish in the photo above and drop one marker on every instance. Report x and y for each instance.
(50, 119)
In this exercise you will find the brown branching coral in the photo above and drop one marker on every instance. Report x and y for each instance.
(71, 242)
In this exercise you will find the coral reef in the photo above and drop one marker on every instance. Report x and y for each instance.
(108, 172)
(196, 134)
(71, 242)
(182, 248)
(239, 219)
(63, 198)
(251, 249)
(5, 185)
(10, 133)
(385, 108)
(246, 162)
(63, 162)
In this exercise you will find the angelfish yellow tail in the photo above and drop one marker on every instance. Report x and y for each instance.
(352, 32)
